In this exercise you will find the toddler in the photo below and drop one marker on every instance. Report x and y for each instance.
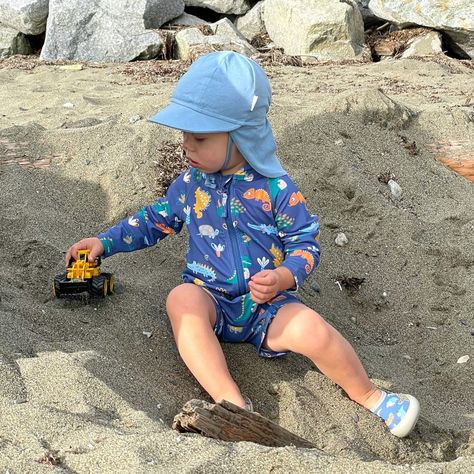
(252, 241)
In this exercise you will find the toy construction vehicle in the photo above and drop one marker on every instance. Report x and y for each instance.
(83, 277)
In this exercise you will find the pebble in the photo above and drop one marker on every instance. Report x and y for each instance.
(135, 118)
(315, 287)
(341, 239)
(395, 189)
(148, 334)
(355, 417)
(463, 359)
(68, 105)
(353, 319)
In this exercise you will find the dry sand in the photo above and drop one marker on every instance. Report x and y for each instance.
(83, 388)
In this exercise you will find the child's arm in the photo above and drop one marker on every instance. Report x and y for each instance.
(149, 225)
(143, 229)
(299, 234)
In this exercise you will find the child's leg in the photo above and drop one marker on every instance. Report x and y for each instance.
(192, 314)
(297, 328)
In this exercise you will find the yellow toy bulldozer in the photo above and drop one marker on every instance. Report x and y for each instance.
(82, 276)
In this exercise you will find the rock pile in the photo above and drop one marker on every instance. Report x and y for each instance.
(126, 30)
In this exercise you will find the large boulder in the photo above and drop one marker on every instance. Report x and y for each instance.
(81, 30)
(251, 24)
(324, 29)
(455, 18)
(27, 16)
(192, 42)
(229, 7)
(13, 42)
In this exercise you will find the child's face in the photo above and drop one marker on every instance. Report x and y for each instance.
(206, 151)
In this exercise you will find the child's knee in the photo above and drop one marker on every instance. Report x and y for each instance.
(309, 328)
(180, 296)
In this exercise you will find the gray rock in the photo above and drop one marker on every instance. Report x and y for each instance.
(457, 20)
(13, 42)
(251, 23)
(27, 16)
(424, 45)
(323, 29)
(192, 41)
(188, 20)
(235, 7)
(80, 30)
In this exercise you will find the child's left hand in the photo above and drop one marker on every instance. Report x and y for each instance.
(264, 286)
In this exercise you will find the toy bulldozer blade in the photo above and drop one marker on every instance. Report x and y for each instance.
(83, 277)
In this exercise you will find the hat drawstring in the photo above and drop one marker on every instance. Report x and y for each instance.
(228, 153)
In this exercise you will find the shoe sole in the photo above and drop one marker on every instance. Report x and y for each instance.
(409, 420)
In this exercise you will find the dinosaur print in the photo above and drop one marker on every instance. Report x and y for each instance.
(264, 228)
(202, 202)
(277, 255)
(205, 270)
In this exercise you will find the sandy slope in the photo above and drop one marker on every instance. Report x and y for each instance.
(84, 383)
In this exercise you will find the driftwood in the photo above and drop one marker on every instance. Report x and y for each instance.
(229, 422)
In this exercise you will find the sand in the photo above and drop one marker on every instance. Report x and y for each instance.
(83, 386)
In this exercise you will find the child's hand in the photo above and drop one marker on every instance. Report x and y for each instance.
(265, 285)
(92, 243)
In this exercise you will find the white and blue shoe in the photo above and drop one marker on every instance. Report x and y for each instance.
(398, 411)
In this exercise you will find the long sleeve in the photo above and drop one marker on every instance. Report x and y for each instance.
(297, 228)
(149, 225)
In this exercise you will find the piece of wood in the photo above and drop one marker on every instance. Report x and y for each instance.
(229, 422)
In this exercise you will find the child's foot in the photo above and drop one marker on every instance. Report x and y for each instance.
(399, 411)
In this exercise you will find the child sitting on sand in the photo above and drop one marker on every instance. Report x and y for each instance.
(252, 241)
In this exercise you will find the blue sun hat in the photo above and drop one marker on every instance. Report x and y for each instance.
(225, 91)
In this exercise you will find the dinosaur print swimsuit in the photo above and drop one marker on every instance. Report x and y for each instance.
(238, 225)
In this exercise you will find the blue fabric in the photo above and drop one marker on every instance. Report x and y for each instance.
(392, 408)
(225, 91)
(238, 225)
(242, 320)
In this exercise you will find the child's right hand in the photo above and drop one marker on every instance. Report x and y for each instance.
(92, 243)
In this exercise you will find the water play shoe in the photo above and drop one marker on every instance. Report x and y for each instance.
(399, 411)
(248, 403)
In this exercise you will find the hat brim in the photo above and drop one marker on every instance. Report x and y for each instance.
(188, 120)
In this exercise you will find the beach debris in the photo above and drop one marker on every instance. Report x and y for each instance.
(341, 239)
(135, 118)
(148, 334)
(384, 294)
(228, 422)
(395, 189)
(406, 356)
(353, 319)
(350, 283)
(315, 287)
(338, 283)
(50, 458)
(463, 359)
(68, 105)
(433, 328)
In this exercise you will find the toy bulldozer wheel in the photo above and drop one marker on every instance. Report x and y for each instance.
(110, 281)
(100, 285)
(58, 279)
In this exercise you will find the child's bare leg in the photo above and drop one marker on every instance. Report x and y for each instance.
(297, 328)
(193, 315)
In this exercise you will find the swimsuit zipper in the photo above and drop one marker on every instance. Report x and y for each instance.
(235, 246)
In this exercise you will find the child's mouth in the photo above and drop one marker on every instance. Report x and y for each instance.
(192, 162)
